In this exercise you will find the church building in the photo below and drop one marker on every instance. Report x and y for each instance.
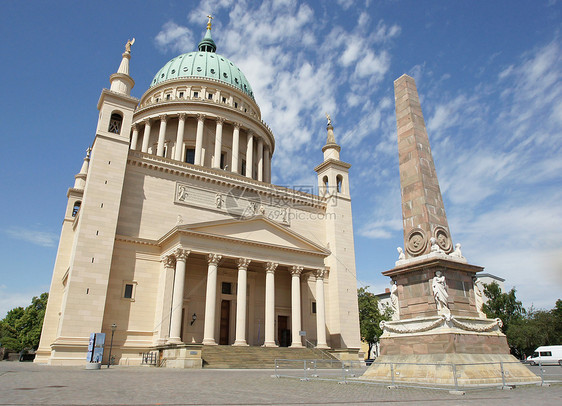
(174, 235)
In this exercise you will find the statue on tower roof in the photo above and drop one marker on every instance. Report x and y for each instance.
(210, 17)
(128, 45)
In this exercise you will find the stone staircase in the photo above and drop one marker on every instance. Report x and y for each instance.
(226, 356)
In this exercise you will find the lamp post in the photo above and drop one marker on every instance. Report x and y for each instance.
(113, 328)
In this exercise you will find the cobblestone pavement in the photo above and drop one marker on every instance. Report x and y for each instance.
(31, 384)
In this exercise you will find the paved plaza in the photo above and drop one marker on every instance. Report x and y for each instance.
(31, 384)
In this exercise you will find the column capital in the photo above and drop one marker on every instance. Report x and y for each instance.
(134, 127)
(201, 117)
(146, 121)
(243, 262)
(220, 120)
(270, 267)
(169, 261)
(320, 273)
(296, 270)
(250, 133)
(182, 116)
(237, 125)
(214, 259)
(181, 254)
(163, 117)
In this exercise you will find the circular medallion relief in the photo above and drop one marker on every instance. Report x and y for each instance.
(416, 242)
(443, 239)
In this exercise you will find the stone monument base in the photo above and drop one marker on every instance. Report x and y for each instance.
(449, 350)
(440, 369)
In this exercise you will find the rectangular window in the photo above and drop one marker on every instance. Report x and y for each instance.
(195, 95)
(210, 96)
(313, 307)
(235, 105)
(243, 167)
(227, 288)
(223, 160)
(128, 292)
(181, 95)
(168, 97)
(190, 155)
(546, 354)
(224, 99)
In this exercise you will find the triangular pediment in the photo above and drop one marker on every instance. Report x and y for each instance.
(258, 230)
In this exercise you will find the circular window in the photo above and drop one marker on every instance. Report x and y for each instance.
(211, 56)
(185, 69)
(162, 75)
(212, 71)
(173, 71)
(225, 74)
(199, 69)
(236, 80)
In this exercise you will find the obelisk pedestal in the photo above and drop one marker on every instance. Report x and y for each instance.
(440, 337)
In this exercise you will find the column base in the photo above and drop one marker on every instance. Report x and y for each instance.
(298, 345)
(209, 341)
(270, 344)
(174, 340)
(323, 347)
(240, 343)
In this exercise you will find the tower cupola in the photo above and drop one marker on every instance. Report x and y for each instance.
(207, 44)
(331, 150)
(121, 82)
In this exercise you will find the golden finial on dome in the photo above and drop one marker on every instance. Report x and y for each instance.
(210, 17)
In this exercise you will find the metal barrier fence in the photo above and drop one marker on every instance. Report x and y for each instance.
(351, 371)
(149, 358)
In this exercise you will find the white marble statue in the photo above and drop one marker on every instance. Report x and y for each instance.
(457, 252)
(394, 301)
(401, 255)
(434, 246)
(478, 298)
(440, 293)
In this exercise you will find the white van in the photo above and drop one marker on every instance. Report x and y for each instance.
(548, 354)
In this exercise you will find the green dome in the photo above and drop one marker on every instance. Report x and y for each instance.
(207, 65)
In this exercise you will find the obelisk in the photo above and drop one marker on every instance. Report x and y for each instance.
(438, 334)
(423, 212)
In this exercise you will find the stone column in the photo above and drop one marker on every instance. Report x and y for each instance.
(249, 154)
(296, 306)
(179, 137)
(210, 300)
(162, 135)
(177, 299)
(146, 136)
(267, 165)
(241, 302)
(260, 159)
(164, 300)
(320, 310)
(218, 144)
(199, 138)
(235, 147)
(134, 137)
(270, 304)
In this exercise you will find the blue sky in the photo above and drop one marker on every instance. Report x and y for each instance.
(488, 73)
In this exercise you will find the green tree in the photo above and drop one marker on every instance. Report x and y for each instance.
(502, 305)
(370, 317)
(21, 328)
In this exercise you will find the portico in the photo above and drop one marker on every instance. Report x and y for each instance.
(232, 274)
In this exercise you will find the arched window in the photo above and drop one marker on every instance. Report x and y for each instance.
(76, 208)
(115, 123)
(325, 181)
(339, 183)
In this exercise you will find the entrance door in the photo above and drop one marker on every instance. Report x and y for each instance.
(225, 322)
(283, 333)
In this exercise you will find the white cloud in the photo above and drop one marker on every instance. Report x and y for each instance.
(41, 238)
(174, 37)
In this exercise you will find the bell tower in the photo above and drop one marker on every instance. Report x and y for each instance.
(81, 306)
(333, 184)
